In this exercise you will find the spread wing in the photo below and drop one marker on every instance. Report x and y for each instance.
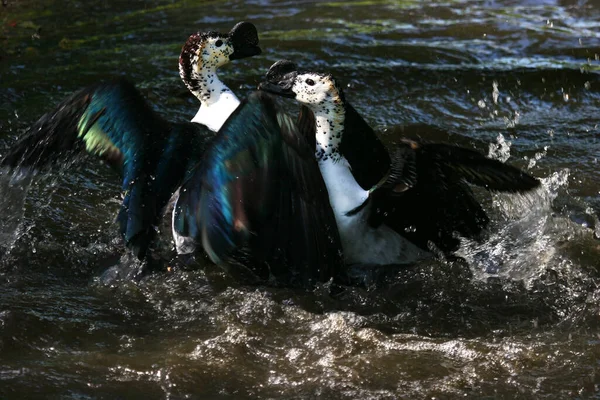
(111, 120)
(114, 122)
(426, 197)
(258, 197)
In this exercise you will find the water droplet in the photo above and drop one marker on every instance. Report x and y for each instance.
(499, 150)
(495, 92)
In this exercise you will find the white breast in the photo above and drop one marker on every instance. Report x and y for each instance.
(345, 193)
(361, 243)
(214, 114)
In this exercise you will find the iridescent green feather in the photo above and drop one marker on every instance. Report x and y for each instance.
(96, 140)
(113, 121)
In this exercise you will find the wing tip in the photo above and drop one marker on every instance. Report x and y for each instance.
(521, 182)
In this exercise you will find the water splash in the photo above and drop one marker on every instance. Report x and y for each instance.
(524, 244)
(499, 150)
(538, 156)
(495, 92)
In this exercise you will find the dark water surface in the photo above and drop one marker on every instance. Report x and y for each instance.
(520, 79)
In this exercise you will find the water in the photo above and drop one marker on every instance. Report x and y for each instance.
(520, 319)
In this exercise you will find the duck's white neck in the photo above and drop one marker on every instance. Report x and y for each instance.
(361, 243)
(217, 101)
(345, 193)
(329, 130)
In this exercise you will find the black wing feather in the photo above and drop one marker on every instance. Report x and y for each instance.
(258, 199)
(426, 197)
(367, 155)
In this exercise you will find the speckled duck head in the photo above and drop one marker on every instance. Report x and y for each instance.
(204, 52)
(340, 131)
(316, 90)
(201, 55)
(320, 93)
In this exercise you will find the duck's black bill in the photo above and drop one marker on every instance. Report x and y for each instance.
(244, 38)
(275, 88)
(280, 79)
(282, 70)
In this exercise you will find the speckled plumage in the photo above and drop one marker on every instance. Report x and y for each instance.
(197, 65)
(201, 56)
(421, 194)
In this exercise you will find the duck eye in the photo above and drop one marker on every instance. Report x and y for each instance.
(310, 82)
(219, 43)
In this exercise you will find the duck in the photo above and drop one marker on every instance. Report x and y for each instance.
(113, 121)
(199, 61)
(257, 204)
(247, 187)
(391, 207)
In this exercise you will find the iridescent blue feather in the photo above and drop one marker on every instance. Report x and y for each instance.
(258, 199)
(114, 122)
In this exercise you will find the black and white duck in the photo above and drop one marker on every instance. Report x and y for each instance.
(112, 120)
(251, 194)
(390, 208)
